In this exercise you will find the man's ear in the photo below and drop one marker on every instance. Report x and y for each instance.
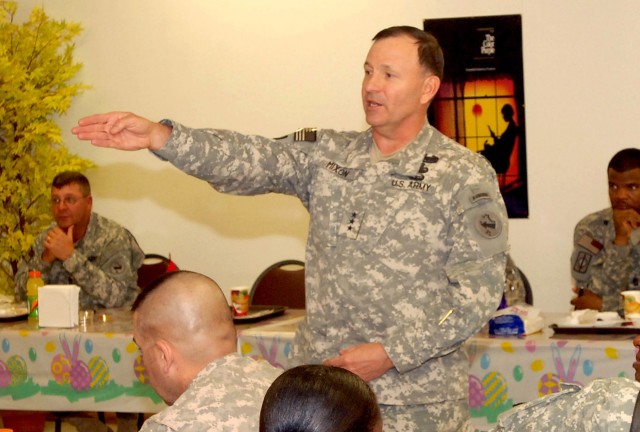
(165, 355)
(430, 88)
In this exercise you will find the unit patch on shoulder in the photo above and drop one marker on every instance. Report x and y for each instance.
(581, 264)
(488, 224)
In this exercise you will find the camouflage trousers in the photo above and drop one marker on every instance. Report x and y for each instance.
(450, 416)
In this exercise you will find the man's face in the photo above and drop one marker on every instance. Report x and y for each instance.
(394, 84)
(70, 206)
(624, 189)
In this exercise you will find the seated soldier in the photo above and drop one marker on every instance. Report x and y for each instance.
(83, 248)
(607, 243)
(183, 327)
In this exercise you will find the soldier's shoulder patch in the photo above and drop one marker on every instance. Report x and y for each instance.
(488, 223)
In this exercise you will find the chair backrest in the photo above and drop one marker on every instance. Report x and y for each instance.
(153, 266)
(281, 284)
(528, 299)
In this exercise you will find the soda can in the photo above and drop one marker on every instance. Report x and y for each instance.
(240, 301)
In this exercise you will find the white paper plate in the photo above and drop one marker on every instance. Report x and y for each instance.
(13, 311)
(608, 323)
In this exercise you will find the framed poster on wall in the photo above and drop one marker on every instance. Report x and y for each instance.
(481, 99)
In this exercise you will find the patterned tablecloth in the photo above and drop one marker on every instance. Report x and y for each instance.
(503, 371)
(95, 367)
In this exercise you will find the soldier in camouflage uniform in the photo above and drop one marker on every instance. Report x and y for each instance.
(603, 405)
(606, 254)
(84, 248)
(408, 233)
(183, 327)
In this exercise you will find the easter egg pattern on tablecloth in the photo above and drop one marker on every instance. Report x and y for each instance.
(140, 370)
(549, 383)
(5, 375)
(18, 369)
(99, 372)
(476, 392)
(61, 369)
(80, 376)
(495, 389)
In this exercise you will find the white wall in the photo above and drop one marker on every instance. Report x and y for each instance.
(269, 67)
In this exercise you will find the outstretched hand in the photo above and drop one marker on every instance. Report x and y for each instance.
(122, 130)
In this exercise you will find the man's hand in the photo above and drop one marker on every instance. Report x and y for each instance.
(625, 221)
(369, 361)
(636, 364)
(124, 131)
(587, 300)
(58, 244)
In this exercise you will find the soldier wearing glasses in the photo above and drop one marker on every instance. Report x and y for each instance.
(84, 248)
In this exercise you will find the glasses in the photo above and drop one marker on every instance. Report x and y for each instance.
(68, 200)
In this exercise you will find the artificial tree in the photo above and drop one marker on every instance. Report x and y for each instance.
(36, 86)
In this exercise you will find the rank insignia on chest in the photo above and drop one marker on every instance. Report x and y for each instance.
(428, 159)
(351, 224)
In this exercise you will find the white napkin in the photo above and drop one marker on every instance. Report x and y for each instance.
(582, 317)
(58, 305)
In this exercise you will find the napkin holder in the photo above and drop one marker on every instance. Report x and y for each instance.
(58, 305)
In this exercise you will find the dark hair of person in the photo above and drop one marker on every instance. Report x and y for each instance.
(69, 177)
(318, 398)
(625, 160)
(155, 283)
(429, 51)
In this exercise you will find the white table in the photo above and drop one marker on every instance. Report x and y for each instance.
(92, 368)
(503, 371)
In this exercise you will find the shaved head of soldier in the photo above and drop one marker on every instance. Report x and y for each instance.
(181, 323)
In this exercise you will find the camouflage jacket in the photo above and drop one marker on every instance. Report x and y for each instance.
(599, 265)
(104, 265)
(603, 405)
(409, 252)
(226, 396)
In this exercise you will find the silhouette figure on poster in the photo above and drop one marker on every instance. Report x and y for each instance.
(499, 153)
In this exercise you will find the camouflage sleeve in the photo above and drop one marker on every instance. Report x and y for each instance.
(111, 278)
(599, 265)
(152, 426)
(240, 164)
(476, 273)
(604, 404)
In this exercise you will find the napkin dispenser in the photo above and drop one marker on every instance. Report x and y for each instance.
(58, 305)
